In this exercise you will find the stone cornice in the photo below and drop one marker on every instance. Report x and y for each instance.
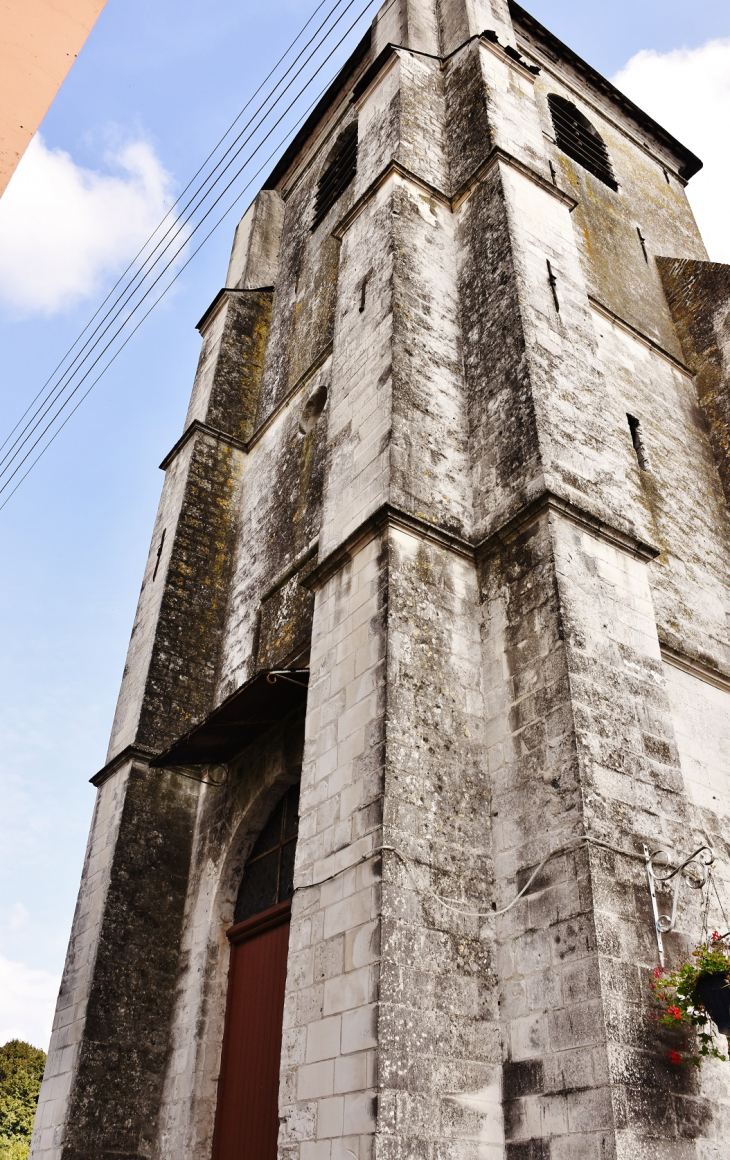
(389, 516)
(599, 84)
(316, 364)
(221, 297)
(611, 316)
(549, 502)
(452, 202)
(129, 753)
(291, 570)
(232, 440)
(386, 516)
(488, 39)
(695, 667)
(204, 429)
(508, 55)
(496, 155)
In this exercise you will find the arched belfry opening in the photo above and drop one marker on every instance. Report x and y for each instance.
(247, 1114)
(577, 137)
(337, 174)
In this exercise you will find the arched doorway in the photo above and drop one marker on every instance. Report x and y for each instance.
(247, 1114)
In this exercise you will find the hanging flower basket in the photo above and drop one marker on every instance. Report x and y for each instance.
(695, 996)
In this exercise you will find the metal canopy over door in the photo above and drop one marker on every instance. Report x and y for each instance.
(247, 1115)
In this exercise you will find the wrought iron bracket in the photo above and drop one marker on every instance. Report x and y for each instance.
(286, 675)
(206, 778)
(693, 870)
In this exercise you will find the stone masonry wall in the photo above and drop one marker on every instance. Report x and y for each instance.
(69, 1022)
(105, 1079)
(699, 298)
(392, 758)
(581, 742)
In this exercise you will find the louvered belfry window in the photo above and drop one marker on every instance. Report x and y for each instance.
(575, 135)
(337, 175)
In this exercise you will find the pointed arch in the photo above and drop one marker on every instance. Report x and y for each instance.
(247, 1112)
(577, 137)
(338, 172)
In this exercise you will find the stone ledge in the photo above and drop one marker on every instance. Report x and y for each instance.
(389, 516)
(450, 201)
(694, 666)
(496, 155)
(291, 570)
(129, 753)
(215, 304)
(205, 429)
(232, 440)
(386, 516)
(489, 39)
(611, 316)
(316, 364)
(548, 501)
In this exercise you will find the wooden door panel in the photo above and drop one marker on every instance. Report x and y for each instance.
(247, 1116)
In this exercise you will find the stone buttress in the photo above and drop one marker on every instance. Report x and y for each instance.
(408, 468)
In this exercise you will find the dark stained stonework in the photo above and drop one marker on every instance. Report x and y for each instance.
(122, 1063)
(408, 467)
(699, 298)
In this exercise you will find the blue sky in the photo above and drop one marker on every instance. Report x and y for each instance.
(155, 86)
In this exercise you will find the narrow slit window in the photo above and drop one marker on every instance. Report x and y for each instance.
(637, 439)
(337, 174)
(159, 554)
(577, 137)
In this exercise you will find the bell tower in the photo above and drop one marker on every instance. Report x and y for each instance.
(443, 543)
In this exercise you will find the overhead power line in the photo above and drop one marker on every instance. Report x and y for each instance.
(170, 211)
(127, 294)
(65, 384)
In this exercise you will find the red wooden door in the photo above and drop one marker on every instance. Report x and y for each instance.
(247, 1116)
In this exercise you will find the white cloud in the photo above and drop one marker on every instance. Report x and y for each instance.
(688, 92)
(64, 230)
(27, 1003)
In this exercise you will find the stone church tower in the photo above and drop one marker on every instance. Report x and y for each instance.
(437, 597)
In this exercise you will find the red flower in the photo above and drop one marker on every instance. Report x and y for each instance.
(658, 972)
(675, 1011)
(715, 936)
(674, 1057)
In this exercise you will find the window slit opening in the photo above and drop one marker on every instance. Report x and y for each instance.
(637, 439)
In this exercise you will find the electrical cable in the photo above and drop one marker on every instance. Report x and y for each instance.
(175, 204)
(39, 418)
(138, 304)
(579, 843)
(176, 229)
(139, 323)
(159, 298)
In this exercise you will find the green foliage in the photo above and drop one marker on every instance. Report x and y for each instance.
(17, 1149)
(679, 1000)
(21, 1072)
